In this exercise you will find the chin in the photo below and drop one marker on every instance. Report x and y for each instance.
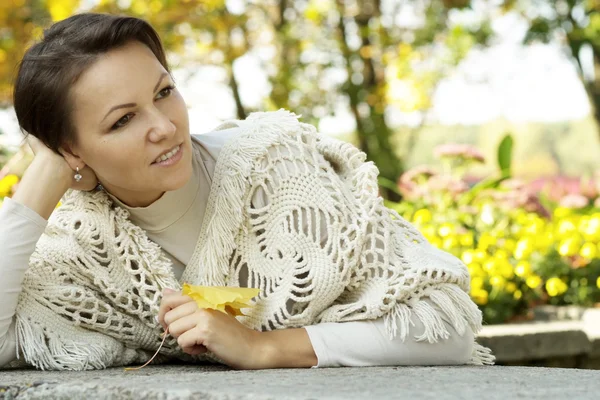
(181, 177)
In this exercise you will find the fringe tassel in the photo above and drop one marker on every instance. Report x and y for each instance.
(47, 352)
(443, 301)
(432, 321)
(398, 319)
(481, 355)
(465, 306)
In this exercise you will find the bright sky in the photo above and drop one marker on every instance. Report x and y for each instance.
(535, 83)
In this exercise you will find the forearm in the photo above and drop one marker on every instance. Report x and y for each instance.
(20, 229)
(288, 348)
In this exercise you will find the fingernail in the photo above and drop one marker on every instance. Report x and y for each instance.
(156, 318)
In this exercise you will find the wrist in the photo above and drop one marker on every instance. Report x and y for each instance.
(55, 172)
(265, 350)
(41, 189)
(286, 348)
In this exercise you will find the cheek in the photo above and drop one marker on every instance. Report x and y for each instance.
(115, 159)
(178, 111)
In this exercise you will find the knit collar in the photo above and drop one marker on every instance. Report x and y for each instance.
(171, 206)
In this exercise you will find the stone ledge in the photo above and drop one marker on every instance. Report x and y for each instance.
(177, 382)
(546, 340)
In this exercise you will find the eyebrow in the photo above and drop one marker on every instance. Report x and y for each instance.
(128, 105)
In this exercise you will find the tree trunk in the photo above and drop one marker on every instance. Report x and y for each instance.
(233, 84)
(593, 88)
(367, 100)
(287, 56)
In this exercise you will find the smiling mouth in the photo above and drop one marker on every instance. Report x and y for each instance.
(168, 155)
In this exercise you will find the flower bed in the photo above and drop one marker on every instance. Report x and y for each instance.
(525, 244)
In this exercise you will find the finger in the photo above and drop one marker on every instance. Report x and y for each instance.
(180, 312)
(195, 350)
(184, 324)
(168, 303)
(191, 338)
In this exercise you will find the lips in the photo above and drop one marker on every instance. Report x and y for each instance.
(167, 154)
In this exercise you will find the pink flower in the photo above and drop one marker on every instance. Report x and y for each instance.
(411, 182)
(447, 183)
(454, 150)
(574, 201)
(556, 187)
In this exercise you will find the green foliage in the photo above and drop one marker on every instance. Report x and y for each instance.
(505, 150)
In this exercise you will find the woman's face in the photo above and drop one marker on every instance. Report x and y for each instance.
(127, 114)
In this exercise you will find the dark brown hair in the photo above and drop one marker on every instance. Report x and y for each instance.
(50, 68)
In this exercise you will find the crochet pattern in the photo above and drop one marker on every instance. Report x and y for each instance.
(320, 246)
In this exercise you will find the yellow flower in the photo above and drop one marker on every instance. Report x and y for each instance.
(524, 248)
(486, 240)
(480, 297)
(517, 295)
(428, 231)
(7, 183)
(450, 242)
(565, 227)
(561, 212)
(479, 255)
(475, 269)
(509, 245)
(505, 268)
(598, 282)
(422, 216)
(498, 282)
(467, 257)
(535, 227)
(555, 286)
(489, 266)
(476, 283)
(523, 269)
(445, 229)
(588, 250)
(436, 242)
(511, 287)
(466, 239)
(569, 246)
(533, 281)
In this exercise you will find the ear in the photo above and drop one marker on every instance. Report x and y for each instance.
(71, 157)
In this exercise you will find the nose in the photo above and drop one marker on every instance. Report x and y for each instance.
(161, 126)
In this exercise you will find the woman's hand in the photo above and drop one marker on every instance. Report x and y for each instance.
(61, 169)
(198, 330)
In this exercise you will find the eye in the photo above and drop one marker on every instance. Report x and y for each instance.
(122, 122)
(166, 92)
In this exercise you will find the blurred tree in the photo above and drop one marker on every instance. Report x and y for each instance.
(19, 24)
(318, 55)
(575, 23)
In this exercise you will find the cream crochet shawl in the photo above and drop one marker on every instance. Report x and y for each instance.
(95, 280)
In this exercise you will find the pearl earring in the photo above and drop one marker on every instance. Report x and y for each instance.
(78, 175)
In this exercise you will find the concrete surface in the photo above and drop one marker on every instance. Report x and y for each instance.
(213, 382)
(576, 334)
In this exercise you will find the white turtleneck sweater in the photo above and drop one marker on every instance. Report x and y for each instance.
(173, 222)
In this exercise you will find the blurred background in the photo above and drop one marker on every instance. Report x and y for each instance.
(482, 116)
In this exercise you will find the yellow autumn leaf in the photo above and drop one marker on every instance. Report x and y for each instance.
(222, 298)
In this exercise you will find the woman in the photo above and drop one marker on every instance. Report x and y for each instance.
(266, 203)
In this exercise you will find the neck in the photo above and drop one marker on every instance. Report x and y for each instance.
(132, 198)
